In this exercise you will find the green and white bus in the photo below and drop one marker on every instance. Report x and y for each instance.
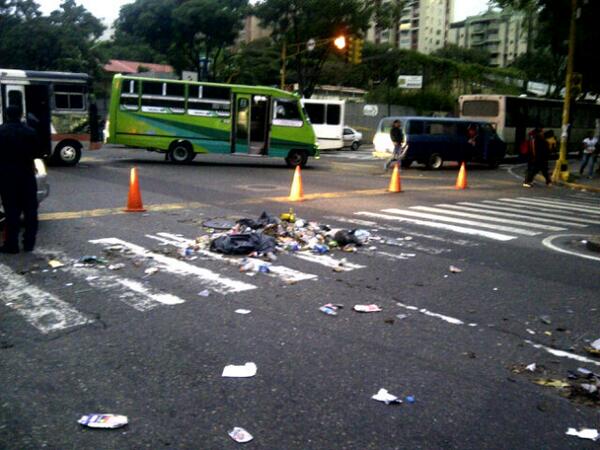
(184, 118)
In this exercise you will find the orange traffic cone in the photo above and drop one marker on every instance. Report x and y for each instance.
(297, 193)
(134, 201)
(395, 180)
(461, 181)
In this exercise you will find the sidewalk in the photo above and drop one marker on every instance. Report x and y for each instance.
(581, 182)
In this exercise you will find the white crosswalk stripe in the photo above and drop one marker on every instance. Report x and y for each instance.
(581, 206)
(213, 280)
(532, 211)
(358, 156)
(44, 311)
(551, 206)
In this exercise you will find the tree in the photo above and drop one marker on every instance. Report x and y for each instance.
(256, 63)
(294, 22)
(463, 55)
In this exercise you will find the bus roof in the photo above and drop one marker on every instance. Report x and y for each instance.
(239, 87)
(39, 75)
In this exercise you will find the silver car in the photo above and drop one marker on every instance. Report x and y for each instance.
(352, 138)
(43, 188)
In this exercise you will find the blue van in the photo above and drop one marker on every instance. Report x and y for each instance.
(434, 140)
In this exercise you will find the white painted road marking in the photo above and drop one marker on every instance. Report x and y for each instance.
(561, 202)
(41, 309)
(548, 242)
(214, 281)
(402, 212)
(327, 261)
(563, 354)
(487, 217)
(284, 273)
(531, 210)
(485, 209)
(551, 206)
(451, 320)
(441, 226)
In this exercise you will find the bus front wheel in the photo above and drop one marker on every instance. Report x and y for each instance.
(181, 152)
(296, 158)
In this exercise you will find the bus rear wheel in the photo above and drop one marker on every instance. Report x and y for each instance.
(296, 158)
(67, 154)
(181, 152)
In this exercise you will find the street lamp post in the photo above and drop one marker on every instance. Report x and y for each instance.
(561, 170)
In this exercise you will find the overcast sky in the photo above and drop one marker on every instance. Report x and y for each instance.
(108, 10)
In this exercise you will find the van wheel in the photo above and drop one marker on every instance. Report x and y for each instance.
(435, 161)
(296, 158)
(181, 152)
(354, 146)
(406, 163)
(67, 154)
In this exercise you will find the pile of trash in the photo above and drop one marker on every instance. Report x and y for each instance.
(581, 385)
(268, 234)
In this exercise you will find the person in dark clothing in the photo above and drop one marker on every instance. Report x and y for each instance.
(18, 187)
(537, 158)
(397, 137)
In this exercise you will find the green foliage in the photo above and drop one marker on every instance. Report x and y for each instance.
(130, 48)
(463, 55)
(425, 103)
(256, 63)
(296, 21)
(63, 41)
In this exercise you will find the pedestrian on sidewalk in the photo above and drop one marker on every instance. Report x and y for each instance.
(589, 154)
(537, 157)
(18, 187)
(397, 136)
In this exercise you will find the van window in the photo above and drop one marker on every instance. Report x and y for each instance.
(440, 128)
(316, 113)
(334, 113)
(415, 127)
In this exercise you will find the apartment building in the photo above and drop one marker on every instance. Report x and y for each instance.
(502, 33)
(423, 25)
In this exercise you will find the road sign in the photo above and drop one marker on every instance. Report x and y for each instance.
(370, 110)
(410, 81)
(189, 76)
(310, 45)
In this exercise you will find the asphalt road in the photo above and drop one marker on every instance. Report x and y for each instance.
(77, 340)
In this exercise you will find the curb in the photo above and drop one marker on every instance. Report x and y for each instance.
(579, 187)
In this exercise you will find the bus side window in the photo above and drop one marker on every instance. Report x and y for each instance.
(209, 101)
(129, 95)
(287, 113)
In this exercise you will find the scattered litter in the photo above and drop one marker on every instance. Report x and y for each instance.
(530, 331)
(91, 260)
(320, 249)
(219, 224)
(401, 316)
(243, 311)
(288, 216)
(410, 399)
(384, 396)
(204, 293)
(548, 333)
(245, 371)
(455, 269)
(55, 264)
(330, 309)
(545, 320)
(186, 252)
(367, 308)
(243, 244)
(151, 271)
(117, 266)
(103, 421)
(240, 435)
(531, 367)
(559, 384)
(68, 284)
(584, 433)
(596, 344)
(495, 289)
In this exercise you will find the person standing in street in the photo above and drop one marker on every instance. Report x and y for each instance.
(397, 137)
(18, 187)
(537, 158)
(589, 155)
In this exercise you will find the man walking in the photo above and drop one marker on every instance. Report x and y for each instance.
(537, 158)
(589, 155)
(397, 137)
(18, 187)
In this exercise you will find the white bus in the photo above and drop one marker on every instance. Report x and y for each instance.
(58, 106)
(513, 117)
(327, 119)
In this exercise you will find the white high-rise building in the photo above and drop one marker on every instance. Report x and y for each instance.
(423, 25)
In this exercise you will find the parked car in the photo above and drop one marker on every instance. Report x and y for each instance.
(43, 188)
(433, 140)
(352, 138)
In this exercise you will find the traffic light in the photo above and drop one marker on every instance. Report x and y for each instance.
(350, 49)
(357, 50)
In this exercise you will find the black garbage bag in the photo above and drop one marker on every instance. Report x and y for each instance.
(345, 237)
(243, 244)
(264, 220)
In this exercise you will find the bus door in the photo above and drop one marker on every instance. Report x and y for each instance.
(240, 141)
(259, 125)
(37, 101)
(13, 94)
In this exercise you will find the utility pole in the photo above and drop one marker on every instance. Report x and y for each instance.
(283, 58)
(561, 170)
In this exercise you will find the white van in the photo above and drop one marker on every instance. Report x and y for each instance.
(327, 119)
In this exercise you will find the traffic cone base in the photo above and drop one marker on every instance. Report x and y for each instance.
(395, 180)
(134, 200)
(296, 192)
(461, 180)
